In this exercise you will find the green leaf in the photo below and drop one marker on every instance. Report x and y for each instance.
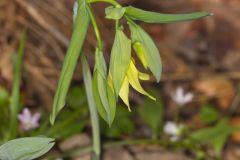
(102, 91)
(115, 13)
(87, 78)
(216, 135)
(151, 112)
(149, 49)
(70, 61)
(120, 59)
(209, 114)
(153, 17)
(124, 124)
(26, 148)
(210, 133)
(218, 143)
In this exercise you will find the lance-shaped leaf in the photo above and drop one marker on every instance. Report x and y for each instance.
(70, 61)
(146, 50)
(103, 91)
(153, 17)
(120, 59)
(26, 148)
(114, 12)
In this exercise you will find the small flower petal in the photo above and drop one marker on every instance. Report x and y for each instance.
(124, 91)
(173, 130)
(25, 116)
(170, 128)
(188, 97)
(27, 120)
(36, 117)
(180, 98)
(133, 77)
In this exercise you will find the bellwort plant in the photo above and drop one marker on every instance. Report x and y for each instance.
(108, 83)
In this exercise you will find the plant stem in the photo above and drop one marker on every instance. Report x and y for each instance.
(106, 1)
(95, 27)
(92, 108)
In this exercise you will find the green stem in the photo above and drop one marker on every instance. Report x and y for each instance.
(129, 20)
(116, 4)
(117, 24)
(92, 108)
(95, 27)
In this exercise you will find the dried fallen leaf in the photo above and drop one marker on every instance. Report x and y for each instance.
(6, 68)
(220, 88)
(117, 154)
(80, 140)
(235, 122)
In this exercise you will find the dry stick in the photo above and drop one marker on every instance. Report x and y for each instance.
(42, 22)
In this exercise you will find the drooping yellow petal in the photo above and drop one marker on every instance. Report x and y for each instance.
(133, 75)
(124, 91)
(140, 53)
(143, 76)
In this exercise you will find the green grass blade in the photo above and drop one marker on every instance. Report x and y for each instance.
(70, 62)
(15, 97)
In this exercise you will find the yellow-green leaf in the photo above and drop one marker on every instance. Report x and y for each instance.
(120, 59)
(70, 61)
(102, 90)
(153, 17)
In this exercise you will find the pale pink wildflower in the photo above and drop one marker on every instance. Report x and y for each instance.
(27, 120)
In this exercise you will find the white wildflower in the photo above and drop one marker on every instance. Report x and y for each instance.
(173, 130)
(180, 98)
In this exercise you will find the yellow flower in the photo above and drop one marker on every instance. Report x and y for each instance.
(132, 77)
